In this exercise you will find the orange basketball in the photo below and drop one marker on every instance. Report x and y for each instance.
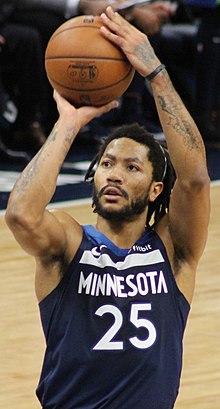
(83, 66)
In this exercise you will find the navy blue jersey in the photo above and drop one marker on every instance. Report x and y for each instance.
(114, 327)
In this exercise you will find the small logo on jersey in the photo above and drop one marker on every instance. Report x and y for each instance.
(141, 249)
(96, 251)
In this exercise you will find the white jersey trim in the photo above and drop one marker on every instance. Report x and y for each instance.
(131, 260)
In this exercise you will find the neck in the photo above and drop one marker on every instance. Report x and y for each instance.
(122, 234)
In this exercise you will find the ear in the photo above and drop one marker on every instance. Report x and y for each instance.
(155, 190)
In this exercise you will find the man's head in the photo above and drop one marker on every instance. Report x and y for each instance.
(133, 172)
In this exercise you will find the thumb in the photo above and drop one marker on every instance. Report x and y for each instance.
(87, 113)
(106, 108)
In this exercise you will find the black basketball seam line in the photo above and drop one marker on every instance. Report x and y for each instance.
(87, 58)
(72, 28)
(92, 89)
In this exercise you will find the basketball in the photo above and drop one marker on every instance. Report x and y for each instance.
(83, 66)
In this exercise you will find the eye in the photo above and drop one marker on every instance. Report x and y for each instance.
(106, 164)
(133, 168)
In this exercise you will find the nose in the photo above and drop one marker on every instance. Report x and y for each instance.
(115, 175)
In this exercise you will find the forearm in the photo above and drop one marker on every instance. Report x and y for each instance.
(185, 144)
(37, 183)
(184, 141)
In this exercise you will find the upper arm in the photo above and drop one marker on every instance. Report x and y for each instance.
(189, 213)
(46, 238)
(53, 240)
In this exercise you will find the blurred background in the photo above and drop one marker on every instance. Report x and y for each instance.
(185, 35)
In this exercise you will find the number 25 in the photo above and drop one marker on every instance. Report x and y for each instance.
(106, 342)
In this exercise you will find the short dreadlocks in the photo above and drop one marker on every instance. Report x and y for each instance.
(157, 155)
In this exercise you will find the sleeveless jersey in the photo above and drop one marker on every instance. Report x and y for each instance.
(114, 328)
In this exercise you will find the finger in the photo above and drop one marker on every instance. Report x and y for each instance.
(115, 28)
(108, 107)
(108, 34)
(87, 113)
(57, 97)
(113, 20)
(98, 111)
(111, 14)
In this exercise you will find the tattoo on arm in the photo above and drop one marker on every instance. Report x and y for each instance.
(27, 175)
(52, 136)
(69, 134)
(140, 51)
(32, 169)
(183, 127)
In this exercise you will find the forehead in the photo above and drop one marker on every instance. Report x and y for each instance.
(127, 148)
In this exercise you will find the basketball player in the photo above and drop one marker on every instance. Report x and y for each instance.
(114, 298)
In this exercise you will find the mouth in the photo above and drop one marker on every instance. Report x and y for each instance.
(112, 191)
(112, 194)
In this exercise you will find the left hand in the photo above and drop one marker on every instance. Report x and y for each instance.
(133, 42)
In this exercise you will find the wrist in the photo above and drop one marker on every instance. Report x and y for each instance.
(66, 124)
(155, 72)
(161, 83)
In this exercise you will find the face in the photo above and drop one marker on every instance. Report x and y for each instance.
(123, 180)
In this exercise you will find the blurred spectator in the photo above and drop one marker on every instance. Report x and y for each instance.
(137, 103)
(46, 16)
(176, 46)
(8, 115)
(21, 74)
(207, 73)
(151, 17)
(193, 42)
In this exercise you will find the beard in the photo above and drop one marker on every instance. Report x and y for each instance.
(127, 213)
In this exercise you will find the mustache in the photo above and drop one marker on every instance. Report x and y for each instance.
(122, 191)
